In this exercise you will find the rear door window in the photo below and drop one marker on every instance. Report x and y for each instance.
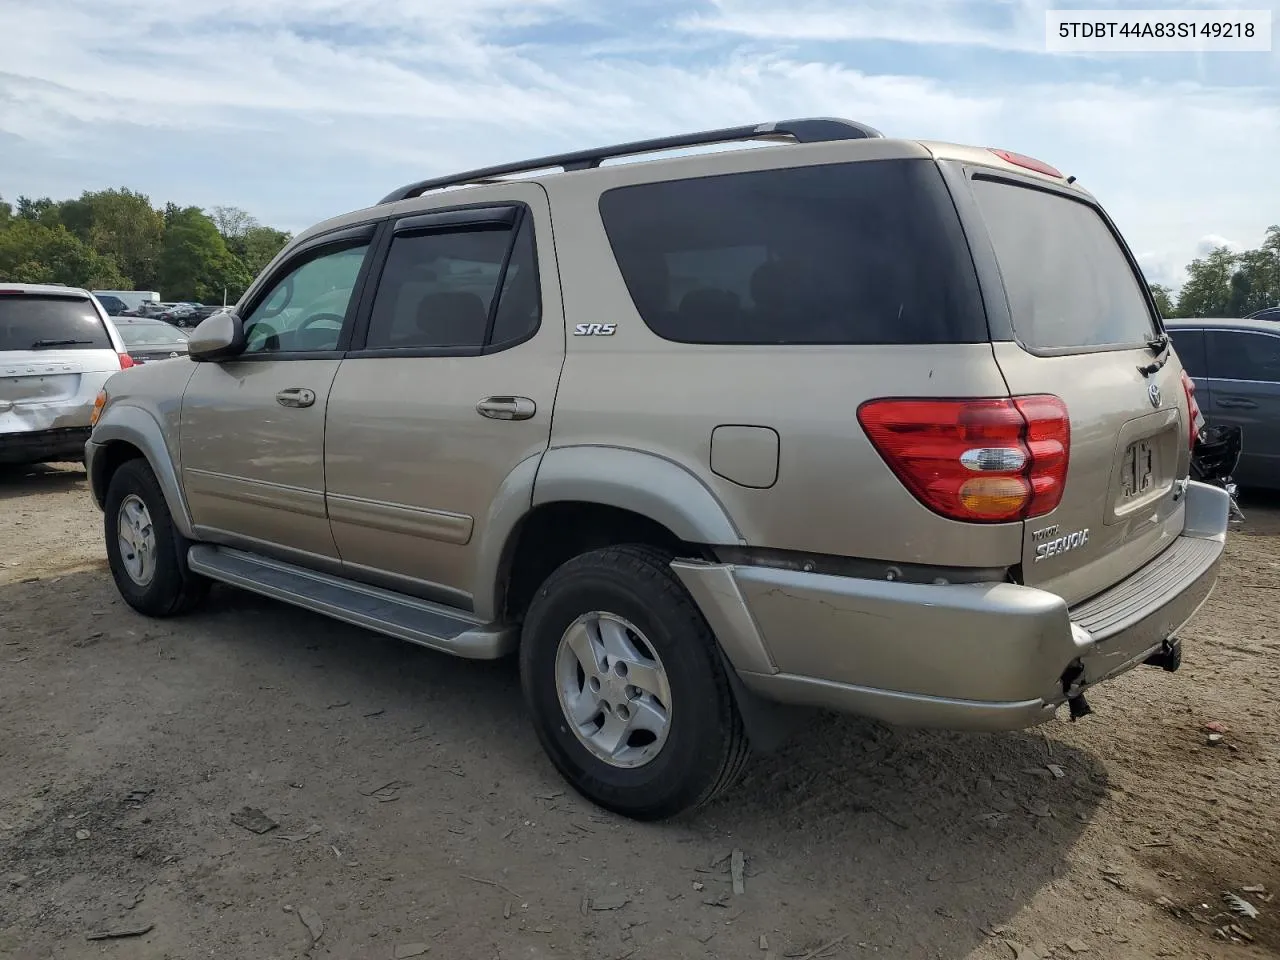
(50, 323)
(1068, 281)
(854, 253)
(438, 290)
(1190, 347)
(1240, 355)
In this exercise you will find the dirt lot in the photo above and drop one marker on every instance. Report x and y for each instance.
(126, 746)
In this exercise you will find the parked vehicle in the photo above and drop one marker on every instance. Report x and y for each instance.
(151, 339)
(1268, 313)
(57, 349)
(133, 300)
(113, 306)
(1236, 367)
(1214, 459)
(878, 425)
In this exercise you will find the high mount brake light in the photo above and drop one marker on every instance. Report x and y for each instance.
(1027, 163)
(982, 461)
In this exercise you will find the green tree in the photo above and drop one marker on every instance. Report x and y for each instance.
(32, 252)
(232, 222)
(6, 213)
(258, 247)
(120, 224)
(195, 263)
(1163, 297)
(43, 210)
(1207, 291)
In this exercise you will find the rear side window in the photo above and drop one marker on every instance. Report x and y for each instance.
(1190, 347)
(854, 253)
(1067, 278)
(50, 323)
(1238, 355)
(438, 290)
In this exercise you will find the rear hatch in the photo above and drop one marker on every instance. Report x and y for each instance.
(48, 344)
(1085, 332)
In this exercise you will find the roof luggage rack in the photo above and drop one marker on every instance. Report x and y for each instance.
(807, 130)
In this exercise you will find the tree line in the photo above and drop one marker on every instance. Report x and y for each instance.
(116, 240)
(1226, 284)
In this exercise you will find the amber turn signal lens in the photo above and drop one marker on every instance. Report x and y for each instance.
(99, 402)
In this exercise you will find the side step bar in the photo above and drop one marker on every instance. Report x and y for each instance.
(427, 624)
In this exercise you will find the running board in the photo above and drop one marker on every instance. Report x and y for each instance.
(422, 622)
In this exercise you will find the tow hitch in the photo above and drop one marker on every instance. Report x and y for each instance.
(1168, 657)
(1074, 689)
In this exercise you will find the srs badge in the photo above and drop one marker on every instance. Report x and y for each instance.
(1049, 544)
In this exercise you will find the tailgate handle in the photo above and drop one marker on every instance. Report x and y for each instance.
(1237, 403)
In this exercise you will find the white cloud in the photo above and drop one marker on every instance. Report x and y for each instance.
(950, 22)
(1212, 242)
(301, 108)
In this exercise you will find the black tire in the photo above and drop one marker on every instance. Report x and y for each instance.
(706, 747)
(173, 588)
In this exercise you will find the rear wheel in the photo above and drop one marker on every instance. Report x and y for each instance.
(146, 553)
(626, 685)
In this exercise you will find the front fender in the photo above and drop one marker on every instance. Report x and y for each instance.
(123, 422)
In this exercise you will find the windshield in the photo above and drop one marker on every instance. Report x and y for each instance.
(150, 334)
(34, 322)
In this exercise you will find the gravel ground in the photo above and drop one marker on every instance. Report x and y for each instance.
(417, 815)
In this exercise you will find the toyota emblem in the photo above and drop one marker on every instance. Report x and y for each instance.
(1153, 392)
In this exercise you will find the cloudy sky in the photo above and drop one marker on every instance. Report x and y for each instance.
(300, 109)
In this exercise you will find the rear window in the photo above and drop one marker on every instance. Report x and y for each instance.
(855, 253)
(1068, 280)
(146, 334)
(50, 323)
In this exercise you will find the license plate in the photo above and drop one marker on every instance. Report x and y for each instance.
(1138, 474)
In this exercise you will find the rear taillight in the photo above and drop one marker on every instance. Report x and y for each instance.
(985, 461)
(1195, 419)
(126, 361)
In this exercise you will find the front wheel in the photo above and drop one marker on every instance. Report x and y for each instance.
(627, 689)
(146, 553)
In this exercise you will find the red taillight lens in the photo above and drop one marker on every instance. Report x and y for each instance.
(1195, 419)
(987, 461)
(126, 361)
(1027, 163)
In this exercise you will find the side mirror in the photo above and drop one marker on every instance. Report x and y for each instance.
(217, 337)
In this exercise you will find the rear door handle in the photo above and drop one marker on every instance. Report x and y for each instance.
(506, 408)
(1237, 403)
(296, 397)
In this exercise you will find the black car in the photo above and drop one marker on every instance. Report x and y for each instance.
(114, 306)
(1267, 313)
(147, 339)
(1236, 368)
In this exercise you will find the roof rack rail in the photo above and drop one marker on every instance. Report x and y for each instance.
(805, 130)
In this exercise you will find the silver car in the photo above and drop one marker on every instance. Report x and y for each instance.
(57, 349)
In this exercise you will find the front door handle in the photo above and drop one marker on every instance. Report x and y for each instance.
(1237, 403)
(296, 397)
(506, 408)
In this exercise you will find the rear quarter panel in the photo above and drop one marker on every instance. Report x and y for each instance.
(833, 494)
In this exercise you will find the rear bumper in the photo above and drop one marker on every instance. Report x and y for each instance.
(43, 446)
(995, 656)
